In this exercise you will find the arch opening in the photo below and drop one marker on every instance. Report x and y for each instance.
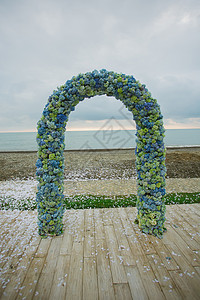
(150, 150)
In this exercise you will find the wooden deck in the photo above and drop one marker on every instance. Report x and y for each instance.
(101, 255)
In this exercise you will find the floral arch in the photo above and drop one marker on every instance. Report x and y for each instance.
(150, 150)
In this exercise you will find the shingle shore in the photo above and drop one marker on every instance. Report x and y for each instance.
(98, 164)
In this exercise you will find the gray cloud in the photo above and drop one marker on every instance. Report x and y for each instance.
(44, 43)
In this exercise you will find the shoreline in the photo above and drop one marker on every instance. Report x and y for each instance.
(188, 147)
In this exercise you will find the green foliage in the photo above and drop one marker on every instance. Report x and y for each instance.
(98, 201)
(182, 198)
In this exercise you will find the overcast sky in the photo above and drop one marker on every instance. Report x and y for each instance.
(46, 42)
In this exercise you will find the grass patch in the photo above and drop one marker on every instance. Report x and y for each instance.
(182, 198)
(97, 201)
(21, 204)
(93, 201)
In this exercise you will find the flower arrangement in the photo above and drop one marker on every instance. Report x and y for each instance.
(150, 150)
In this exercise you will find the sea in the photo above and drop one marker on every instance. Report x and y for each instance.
(99, 139)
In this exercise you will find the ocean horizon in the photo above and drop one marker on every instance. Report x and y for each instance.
(98, 139)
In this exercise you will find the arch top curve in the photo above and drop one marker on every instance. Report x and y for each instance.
(150, 150)
(126, 88)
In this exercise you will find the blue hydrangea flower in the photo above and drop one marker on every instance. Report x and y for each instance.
(150, 149)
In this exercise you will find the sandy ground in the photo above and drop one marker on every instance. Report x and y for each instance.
(109, 164)
(127, 186)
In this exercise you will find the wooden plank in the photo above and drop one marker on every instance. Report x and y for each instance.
(145, 240)
(146, 244)
(14, 250)
(78, 225)
(70, 220)
(115, 238)
(27, 289)
(22, 243)
(10, 233)
(16, 278)
(131, 235)
(122, 291)
(90, 285)
(135, 283)
(75, 279)
(46, 278)
(189, 226)
(181, 258)
(124, 247)
(149, 279)
(192, 219)
(99, 225)
(163, 278)
(197, 270)
(195, 208)
(172, 237)
(89, 247)
(36, 239)
(60, 278)
(18, 256)
(187, 271)
(66, 244)
(107, 216)
(180, 226)
(7, 219)
(105, 284)
(131, 214)
(43, 247)
(117, 268)
(186, 289)
(164, 254)
(89, 242)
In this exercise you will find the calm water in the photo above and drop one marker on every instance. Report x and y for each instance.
(97, 139)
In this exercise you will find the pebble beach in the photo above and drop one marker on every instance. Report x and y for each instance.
(107, 172)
